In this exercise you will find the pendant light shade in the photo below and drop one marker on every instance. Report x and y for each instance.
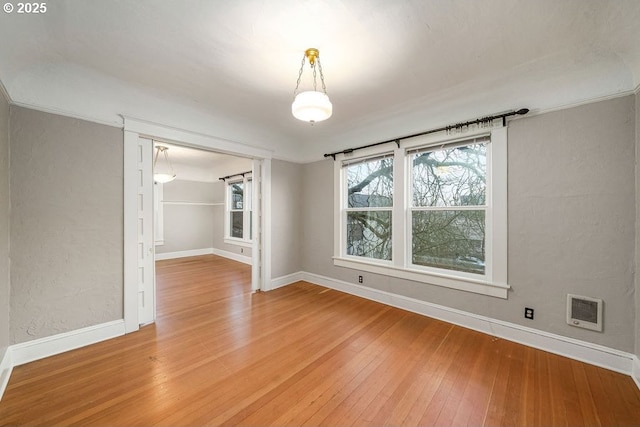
(163, 178)
(163, 170)
(312, 105)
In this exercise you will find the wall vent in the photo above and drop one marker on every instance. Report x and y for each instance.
(584, 312)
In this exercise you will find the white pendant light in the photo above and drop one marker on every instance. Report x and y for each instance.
(311, 106)
(163, 174)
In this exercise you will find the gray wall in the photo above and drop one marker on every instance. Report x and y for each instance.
(286, 218)
(571, 224)
(4, 224)
(66, 224)
(187, 226)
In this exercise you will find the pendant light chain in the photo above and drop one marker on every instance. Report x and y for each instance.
(295, 91)
(155, 161)
(324, 87)
(313, 67)
(166, 156)
(315, 82)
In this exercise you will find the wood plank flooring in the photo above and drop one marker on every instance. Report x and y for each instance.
(304, 355)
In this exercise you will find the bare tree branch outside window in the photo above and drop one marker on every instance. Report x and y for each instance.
(448, 208)
(370, 201)
(448, 204)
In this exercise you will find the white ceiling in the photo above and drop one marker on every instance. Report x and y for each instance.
(191, 164)
(228, 68)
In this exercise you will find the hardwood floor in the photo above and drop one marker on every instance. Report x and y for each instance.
(305, 355)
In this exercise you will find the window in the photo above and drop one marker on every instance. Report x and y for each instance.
(433, 211)
(238, 227)
(369, 199)
(448, 204)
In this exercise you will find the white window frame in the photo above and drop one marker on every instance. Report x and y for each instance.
(494, 281)
(246, 240)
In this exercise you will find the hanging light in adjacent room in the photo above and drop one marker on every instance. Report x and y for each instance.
(163, 173)
(311, 106)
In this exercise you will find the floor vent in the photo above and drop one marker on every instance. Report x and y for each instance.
(584, 312)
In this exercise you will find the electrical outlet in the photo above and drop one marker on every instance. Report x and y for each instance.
(528, 313)
(241, 250)
(359, 279)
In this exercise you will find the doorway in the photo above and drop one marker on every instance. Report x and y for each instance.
(139, 280)
(206, 208)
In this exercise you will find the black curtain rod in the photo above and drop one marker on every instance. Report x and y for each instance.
(224, 178)
(460, 125)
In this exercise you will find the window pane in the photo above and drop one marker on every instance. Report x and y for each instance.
(450, 176)
(369, 234)
(370, 184)
(236, 224)
(449, 239)
(248, 201)
(236, 195)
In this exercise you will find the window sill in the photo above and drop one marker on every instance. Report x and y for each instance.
(238, 242)
(447, 281)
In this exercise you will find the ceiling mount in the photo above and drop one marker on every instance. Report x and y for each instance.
(311, 54)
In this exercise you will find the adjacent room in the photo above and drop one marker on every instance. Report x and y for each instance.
(320, 212)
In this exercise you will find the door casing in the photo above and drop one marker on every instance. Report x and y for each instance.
(135, 129)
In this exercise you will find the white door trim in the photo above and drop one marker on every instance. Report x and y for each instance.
(265, 204)
(184, 137)
(130, 232)
(135, 128)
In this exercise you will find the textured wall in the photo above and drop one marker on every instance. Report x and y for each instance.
(4, 224)
(286, 218)
(187, 226)
(571, 224)
(66, 224)
(572, 215)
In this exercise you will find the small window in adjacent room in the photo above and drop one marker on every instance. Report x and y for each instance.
(238, 227)
(236, 211)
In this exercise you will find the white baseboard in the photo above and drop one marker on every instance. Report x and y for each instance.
(205, 251)
(5, 370)
(635, 371)
(236, 257)
(594, 354)
(44, 347)
(281, 281)
(184, 254)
